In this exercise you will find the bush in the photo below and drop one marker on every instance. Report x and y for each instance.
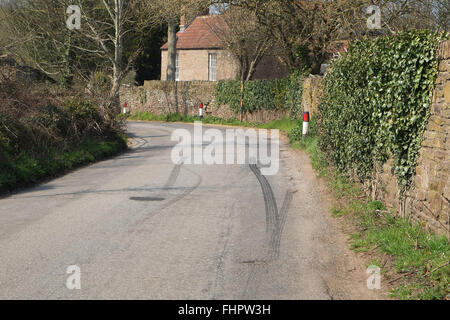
(228, 92)
(271, 95)
(376, 104)
(39, 128)
(293, 95)
(81, 109)
(100, 81)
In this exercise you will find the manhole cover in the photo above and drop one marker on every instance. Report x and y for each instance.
(147, 199)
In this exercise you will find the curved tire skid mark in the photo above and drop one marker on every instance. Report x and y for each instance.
(173, 176)
(275, 218)
(272, 217)
(140, 143)
(168, 185)
(185, 193)
(275, 224)
(283, 215)
(139, 225)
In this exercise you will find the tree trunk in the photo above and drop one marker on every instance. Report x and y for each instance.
(172, 51)
(172, 58)
(317, 61)
(118, 54)
(115, 90)
(67, 79)
(242, 98)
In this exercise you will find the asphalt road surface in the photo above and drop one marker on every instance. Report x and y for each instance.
(141, 227)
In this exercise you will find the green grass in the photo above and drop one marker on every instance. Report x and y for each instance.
(146, 116)
(24, 169)
(354, 207)
(310, 144)
(414, 249)
(284, 124)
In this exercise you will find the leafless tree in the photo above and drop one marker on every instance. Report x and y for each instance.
(305, 30)
(105, 30)
(34, 38)
(402, 15)
(245, 38)
(49, 45)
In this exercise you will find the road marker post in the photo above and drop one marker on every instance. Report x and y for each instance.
(305, 123)
(200, 111)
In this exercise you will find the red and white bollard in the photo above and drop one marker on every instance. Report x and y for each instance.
(305, 123)
(200, 110)
(125, 109)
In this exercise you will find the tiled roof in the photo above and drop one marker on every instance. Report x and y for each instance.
(200, 34)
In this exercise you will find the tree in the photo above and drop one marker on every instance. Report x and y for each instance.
(402, 15)
(169, 12)
(106, 23)
(36, 39)
(56, 50)
(242, 35)
(148, 62)
(304, 30)
(245, 38)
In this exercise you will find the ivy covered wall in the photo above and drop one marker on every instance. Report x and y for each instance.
(264, 100)
(282, 96)
(376, 108)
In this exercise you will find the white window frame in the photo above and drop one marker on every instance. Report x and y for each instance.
(212, 66)
(177, 68)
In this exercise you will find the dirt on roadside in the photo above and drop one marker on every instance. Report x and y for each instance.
(343, 270)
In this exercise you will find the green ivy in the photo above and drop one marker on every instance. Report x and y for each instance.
(377, 101)
(293, 95)
(228, 93)
(272, 95)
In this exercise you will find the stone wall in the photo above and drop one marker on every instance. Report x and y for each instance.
(431, 196)
(312, 93)
(158, 97)
(428, 200)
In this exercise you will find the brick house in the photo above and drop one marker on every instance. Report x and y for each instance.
(200, 55)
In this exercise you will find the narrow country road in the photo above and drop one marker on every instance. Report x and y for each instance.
(140, 227)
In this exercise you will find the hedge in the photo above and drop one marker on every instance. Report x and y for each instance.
(273, 95)
(377, 104)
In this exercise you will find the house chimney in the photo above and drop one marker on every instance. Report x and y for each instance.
(183, 23)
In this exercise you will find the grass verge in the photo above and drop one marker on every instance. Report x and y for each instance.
(22, 170)
(414, 261)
